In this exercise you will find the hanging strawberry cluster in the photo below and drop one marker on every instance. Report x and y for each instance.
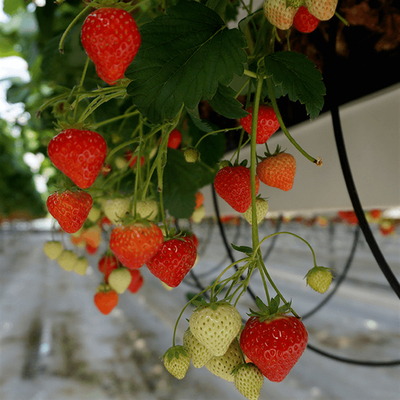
(123, 187)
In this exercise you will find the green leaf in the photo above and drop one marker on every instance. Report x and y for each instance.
(201, 124)
(7, 47)
(224, 103)
(242, 249)
(298, 77)
(10, 7)
(212, 148)
(181, 182)
(183, 57)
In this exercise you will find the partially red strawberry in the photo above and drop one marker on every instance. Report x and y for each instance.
(107, 264)
(173, 261)
(273, 342)
(136, 243)
(91, 249)
(267, 123)
(174, 139)
(79, 154)
(233, 185)
(70, 208)
(111, 39)
(199, 200)
(304, 21)
(136, 282)
(322, 9)
(279, 13)
(277, 170)
(105, 299)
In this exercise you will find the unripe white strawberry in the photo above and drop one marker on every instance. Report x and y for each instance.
(319, 279)
(147, 209)
(94, 214)
(116, 209)
(261, 211)
(198, 214)
(322, 9)
(176, 361)
(249, 380)
(224, 365)
(121, 162)
(81, 266)
(279, 14)
(67, 260)
(191, 155)
(120, 279)
(198, 353)
(215, 325)
(52, 249)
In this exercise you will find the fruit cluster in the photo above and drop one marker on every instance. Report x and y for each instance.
(119, 188)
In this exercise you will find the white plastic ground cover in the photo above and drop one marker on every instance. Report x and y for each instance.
(371, 129)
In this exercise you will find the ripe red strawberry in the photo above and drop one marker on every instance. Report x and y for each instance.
(174, 139)
(105, 299)
(274, 344)
(132, 159)
(304, 21)
(233, 185)
(111, 39)
(277, 171)
(79, 154)
(91, 249)
(349, 216)
(136, 243)
(191, 236)
(136, 282)
(70, 208)
(173, 261)
(267, 123)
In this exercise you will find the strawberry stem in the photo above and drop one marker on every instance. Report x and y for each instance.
(74, 21)
(283, 127)
(108, 121)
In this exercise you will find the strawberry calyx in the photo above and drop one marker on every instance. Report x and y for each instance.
(60, 126)
(104, 288)
(271, 311)
(213, 303)
(175, 352)
(268, 154)
(109, 4)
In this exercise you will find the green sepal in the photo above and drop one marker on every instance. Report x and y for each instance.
(175, 352)
(243, 249)
(268, 312)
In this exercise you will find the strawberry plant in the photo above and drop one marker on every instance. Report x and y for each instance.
(148, 78)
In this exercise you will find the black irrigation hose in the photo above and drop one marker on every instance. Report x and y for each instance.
(224, 239)
(273, 240)
(341, 278)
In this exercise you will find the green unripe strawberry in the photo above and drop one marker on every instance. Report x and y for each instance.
(94, 214)
(147, 209)
(319, 279)
(120, 279)
(120, 162)
(53, 249)
(67, 260)
(198, 214)
(198, 353)
(176, 361)
(261, 211)
(215, 325)
(224, 365)
(249, 379)
(81, 266)
(116, 209)
(191, 155)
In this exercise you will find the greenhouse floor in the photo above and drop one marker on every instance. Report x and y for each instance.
(55, 345)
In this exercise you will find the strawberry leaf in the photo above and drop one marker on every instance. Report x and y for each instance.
(181, 182)
(224, 103)
(298, 77)
(183, 57)
(243, 249)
